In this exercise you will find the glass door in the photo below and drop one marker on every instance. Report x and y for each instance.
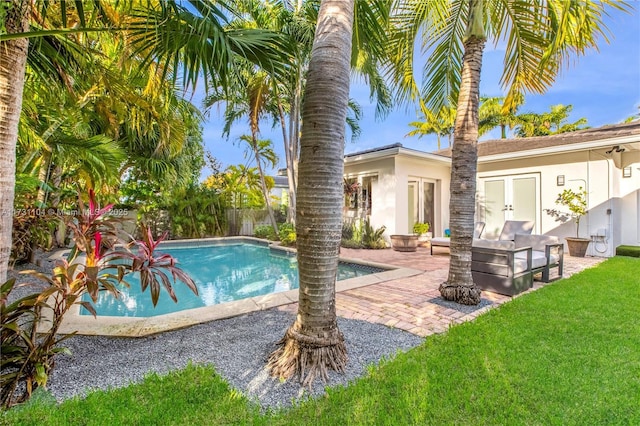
(421, 205)
(509, 198)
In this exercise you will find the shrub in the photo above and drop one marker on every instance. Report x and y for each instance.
(373, 238)
(351, 244)
(347, 231)
(287, 234)
(632, 251)
(266, 232)
(31, 230)
(362, 235)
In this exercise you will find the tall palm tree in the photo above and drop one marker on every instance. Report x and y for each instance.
(263, 154)
(441, 122)
(13, 61)
(492, 114)
(314, 344)
(548, 123)
(251, 98)
(297, 21)
(464, 161)
(541, 37)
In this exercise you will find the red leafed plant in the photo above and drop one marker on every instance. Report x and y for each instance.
(153, 269)
(28, 344)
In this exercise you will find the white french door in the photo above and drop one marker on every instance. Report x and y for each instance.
(509, 198)
(421, 208)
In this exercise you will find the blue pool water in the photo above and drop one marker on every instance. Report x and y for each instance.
(223, 273)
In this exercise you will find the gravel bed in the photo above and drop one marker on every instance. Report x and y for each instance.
(237, 347)
(466, 309)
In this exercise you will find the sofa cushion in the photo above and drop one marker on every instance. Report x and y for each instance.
(520, 263)
(441, 241)
(512, 227)
(538, 259)
(536, 242)
(494, 244)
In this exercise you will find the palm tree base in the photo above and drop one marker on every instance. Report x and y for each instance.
(463, 294)
(308, 356)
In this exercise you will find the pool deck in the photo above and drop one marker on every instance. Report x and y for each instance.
(412, 303)
(406, 298)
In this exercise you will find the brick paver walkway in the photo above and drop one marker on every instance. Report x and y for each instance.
(413, 304)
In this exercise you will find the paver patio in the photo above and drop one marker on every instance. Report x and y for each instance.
(414, 304)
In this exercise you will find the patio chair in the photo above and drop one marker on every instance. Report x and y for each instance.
(446, 242)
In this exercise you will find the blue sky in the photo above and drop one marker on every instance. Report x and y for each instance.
(603, 87)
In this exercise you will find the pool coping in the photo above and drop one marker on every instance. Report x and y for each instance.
(140, 327)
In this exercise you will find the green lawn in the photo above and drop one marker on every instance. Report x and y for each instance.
(566, 354)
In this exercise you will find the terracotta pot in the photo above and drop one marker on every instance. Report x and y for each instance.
(577, 246)
(404, 242)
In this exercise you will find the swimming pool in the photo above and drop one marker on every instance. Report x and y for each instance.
(223, 272)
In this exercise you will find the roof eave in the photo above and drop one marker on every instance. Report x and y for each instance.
(392, 152)
(559, 149)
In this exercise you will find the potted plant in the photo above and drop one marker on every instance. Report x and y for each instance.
(422, 229)
(576, 202)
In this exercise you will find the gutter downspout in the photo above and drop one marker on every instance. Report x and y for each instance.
(609, 248)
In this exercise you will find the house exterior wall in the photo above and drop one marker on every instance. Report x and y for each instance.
(389, 196)
(612, 201)
(408, 168)
(626, 201)
(383, 190)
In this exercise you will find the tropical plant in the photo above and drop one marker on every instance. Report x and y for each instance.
(13, 59)
(464, 155)
(313, 343)
(265, 231)
(494, 113)
(548, 123)
(440, 123)
(30, 230)
(252, 100)
(297, 22)
(287, 234)
(421, 227)
(373, 238)
(634, 117)
(205, 49)
(28, 350)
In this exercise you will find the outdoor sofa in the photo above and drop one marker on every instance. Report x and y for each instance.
(508, 265)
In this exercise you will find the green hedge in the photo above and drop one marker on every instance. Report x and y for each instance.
(632, 251)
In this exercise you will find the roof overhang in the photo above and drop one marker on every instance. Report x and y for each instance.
(367, 156)
(559, 149)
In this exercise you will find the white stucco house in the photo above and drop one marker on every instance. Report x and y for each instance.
(517, 179)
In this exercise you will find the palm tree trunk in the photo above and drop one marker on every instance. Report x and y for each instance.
(314, 344)
(294, 130)
(13, 60)
(459, 286)
(43, 176)
(292, 184)
(263, 184)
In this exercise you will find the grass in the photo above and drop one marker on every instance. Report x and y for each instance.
(566, 354)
